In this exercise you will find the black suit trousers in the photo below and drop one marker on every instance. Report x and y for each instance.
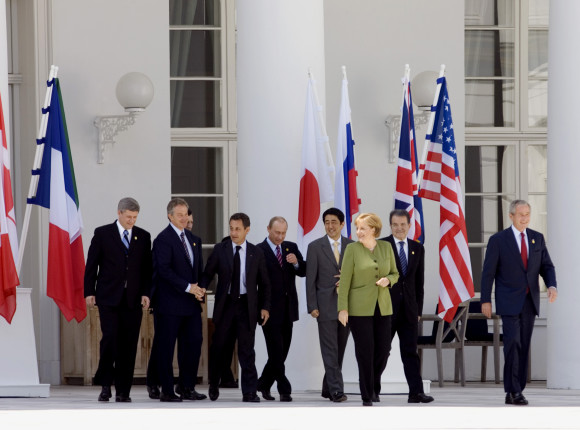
(186, 331)
(517, 337)
(120, 326)
(372, 344)
(408, 331)
(278, 338)
(234, 319)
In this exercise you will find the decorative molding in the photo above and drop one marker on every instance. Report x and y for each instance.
(393, 123)
(109, 127)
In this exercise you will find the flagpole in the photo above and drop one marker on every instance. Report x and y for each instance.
(322, 123)
(37, 164)
(429, 129)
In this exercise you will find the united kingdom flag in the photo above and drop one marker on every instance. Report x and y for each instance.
(406, 189)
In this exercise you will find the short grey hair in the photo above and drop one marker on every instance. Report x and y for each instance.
(515, 203)
(128, 204)
(177, 201)
(277, 219)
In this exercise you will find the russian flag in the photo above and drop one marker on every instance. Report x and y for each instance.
(57, 192)
(345, 193)
(8, 239)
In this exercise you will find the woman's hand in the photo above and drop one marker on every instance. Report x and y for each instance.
(343, 317)
(383, 282)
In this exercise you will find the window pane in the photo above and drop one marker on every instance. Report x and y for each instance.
(485, 216)
(538, 53)
(539, 12)
(537, 169)
(196, 170)
(207, 217)
(194, 12)
(489, 53)
(195, 104)
(195, 53)
(539, 218)
(489, 103)
(537, 103)
(489, 12)
(491, 169)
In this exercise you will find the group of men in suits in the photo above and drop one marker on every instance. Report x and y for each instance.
(256, 284)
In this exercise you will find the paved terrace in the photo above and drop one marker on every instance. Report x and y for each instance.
(476, 406)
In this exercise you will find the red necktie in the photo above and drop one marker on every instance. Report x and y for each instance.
(524, 251)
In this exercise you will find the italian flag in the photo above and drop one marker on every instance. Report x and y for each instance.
(57, 192)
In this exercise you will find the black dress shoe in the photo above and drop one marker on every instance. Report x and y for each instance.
(420, 398)
(376, 398)
(267, 395)
(169, 397)
(326, 395)
(285, 398)
(251, 398)
(509, 400)
(122, 398)
(229, 384)
(519, 399)
(153, 391)
(338, 397)
(177, 389)
(367, 403)
(214, 392)
(191, 394)
(105, 394)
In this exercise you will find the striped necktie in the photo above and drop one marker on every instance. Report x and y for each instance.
(403, 257)
(279, 256)
(126, 239)
(182, 235)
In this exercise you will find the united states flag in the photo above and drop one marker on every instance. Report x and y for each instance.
(441, 183)
(406, 189)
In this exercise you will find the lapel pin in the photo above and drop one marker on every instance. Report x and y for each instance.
(413, 252)
(193, 243)
(135, 238)
(286, 249)
(533, 241)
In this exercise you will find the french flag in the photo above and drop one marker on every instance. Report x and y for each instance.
(345, 193)
(57, 192)
(8, 239)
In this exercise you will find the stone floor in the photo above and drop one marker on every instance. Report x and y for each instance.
(476, 406)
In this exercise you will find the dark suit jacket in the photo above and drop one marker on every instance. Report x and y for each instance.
(503, 263)
(109, 267)
(283, 280)
(321, 269)
(173, 273)
(408, 290)
(221, 263)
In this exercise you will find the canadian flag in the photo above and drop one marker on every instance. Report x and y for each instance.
(8, 240)
(315, 174)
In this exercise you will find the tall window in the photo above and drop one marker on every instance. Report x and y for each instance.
(506, 72)
(203, 137)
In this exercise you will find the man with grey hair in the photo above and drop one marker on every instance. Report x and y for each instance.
(118, 281)
(514, 259)
(177, 269)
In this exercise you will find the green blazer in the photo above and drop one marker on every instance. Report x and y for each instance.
(361, 269)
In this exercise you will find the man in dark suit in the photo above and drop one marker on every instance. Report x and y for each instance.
(284, 262)
(407, 298)
(514, 259)
(118, 281)
(177, 263)
(242, 297)
(323, 261)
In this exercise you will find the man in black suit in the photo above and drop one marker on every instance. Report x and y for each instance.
(514, 259)
(177, 263)
(242, 296)
(407, 299)
(118, 281)
(323, 262)
(284, 262)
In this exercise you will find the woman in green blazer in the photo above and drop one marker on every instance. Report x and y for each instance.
(364, 301)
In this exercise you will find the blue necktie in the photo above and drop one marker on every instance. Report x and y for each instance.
(403, 257)
(126, 239)
(182, 235)
(279, 256)
(236, 272)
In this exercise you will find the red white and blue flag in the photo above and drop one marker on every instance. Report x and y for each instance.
(57, 191)
(441, 183)
(406, 190)
(345, 192)
(8, 238)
